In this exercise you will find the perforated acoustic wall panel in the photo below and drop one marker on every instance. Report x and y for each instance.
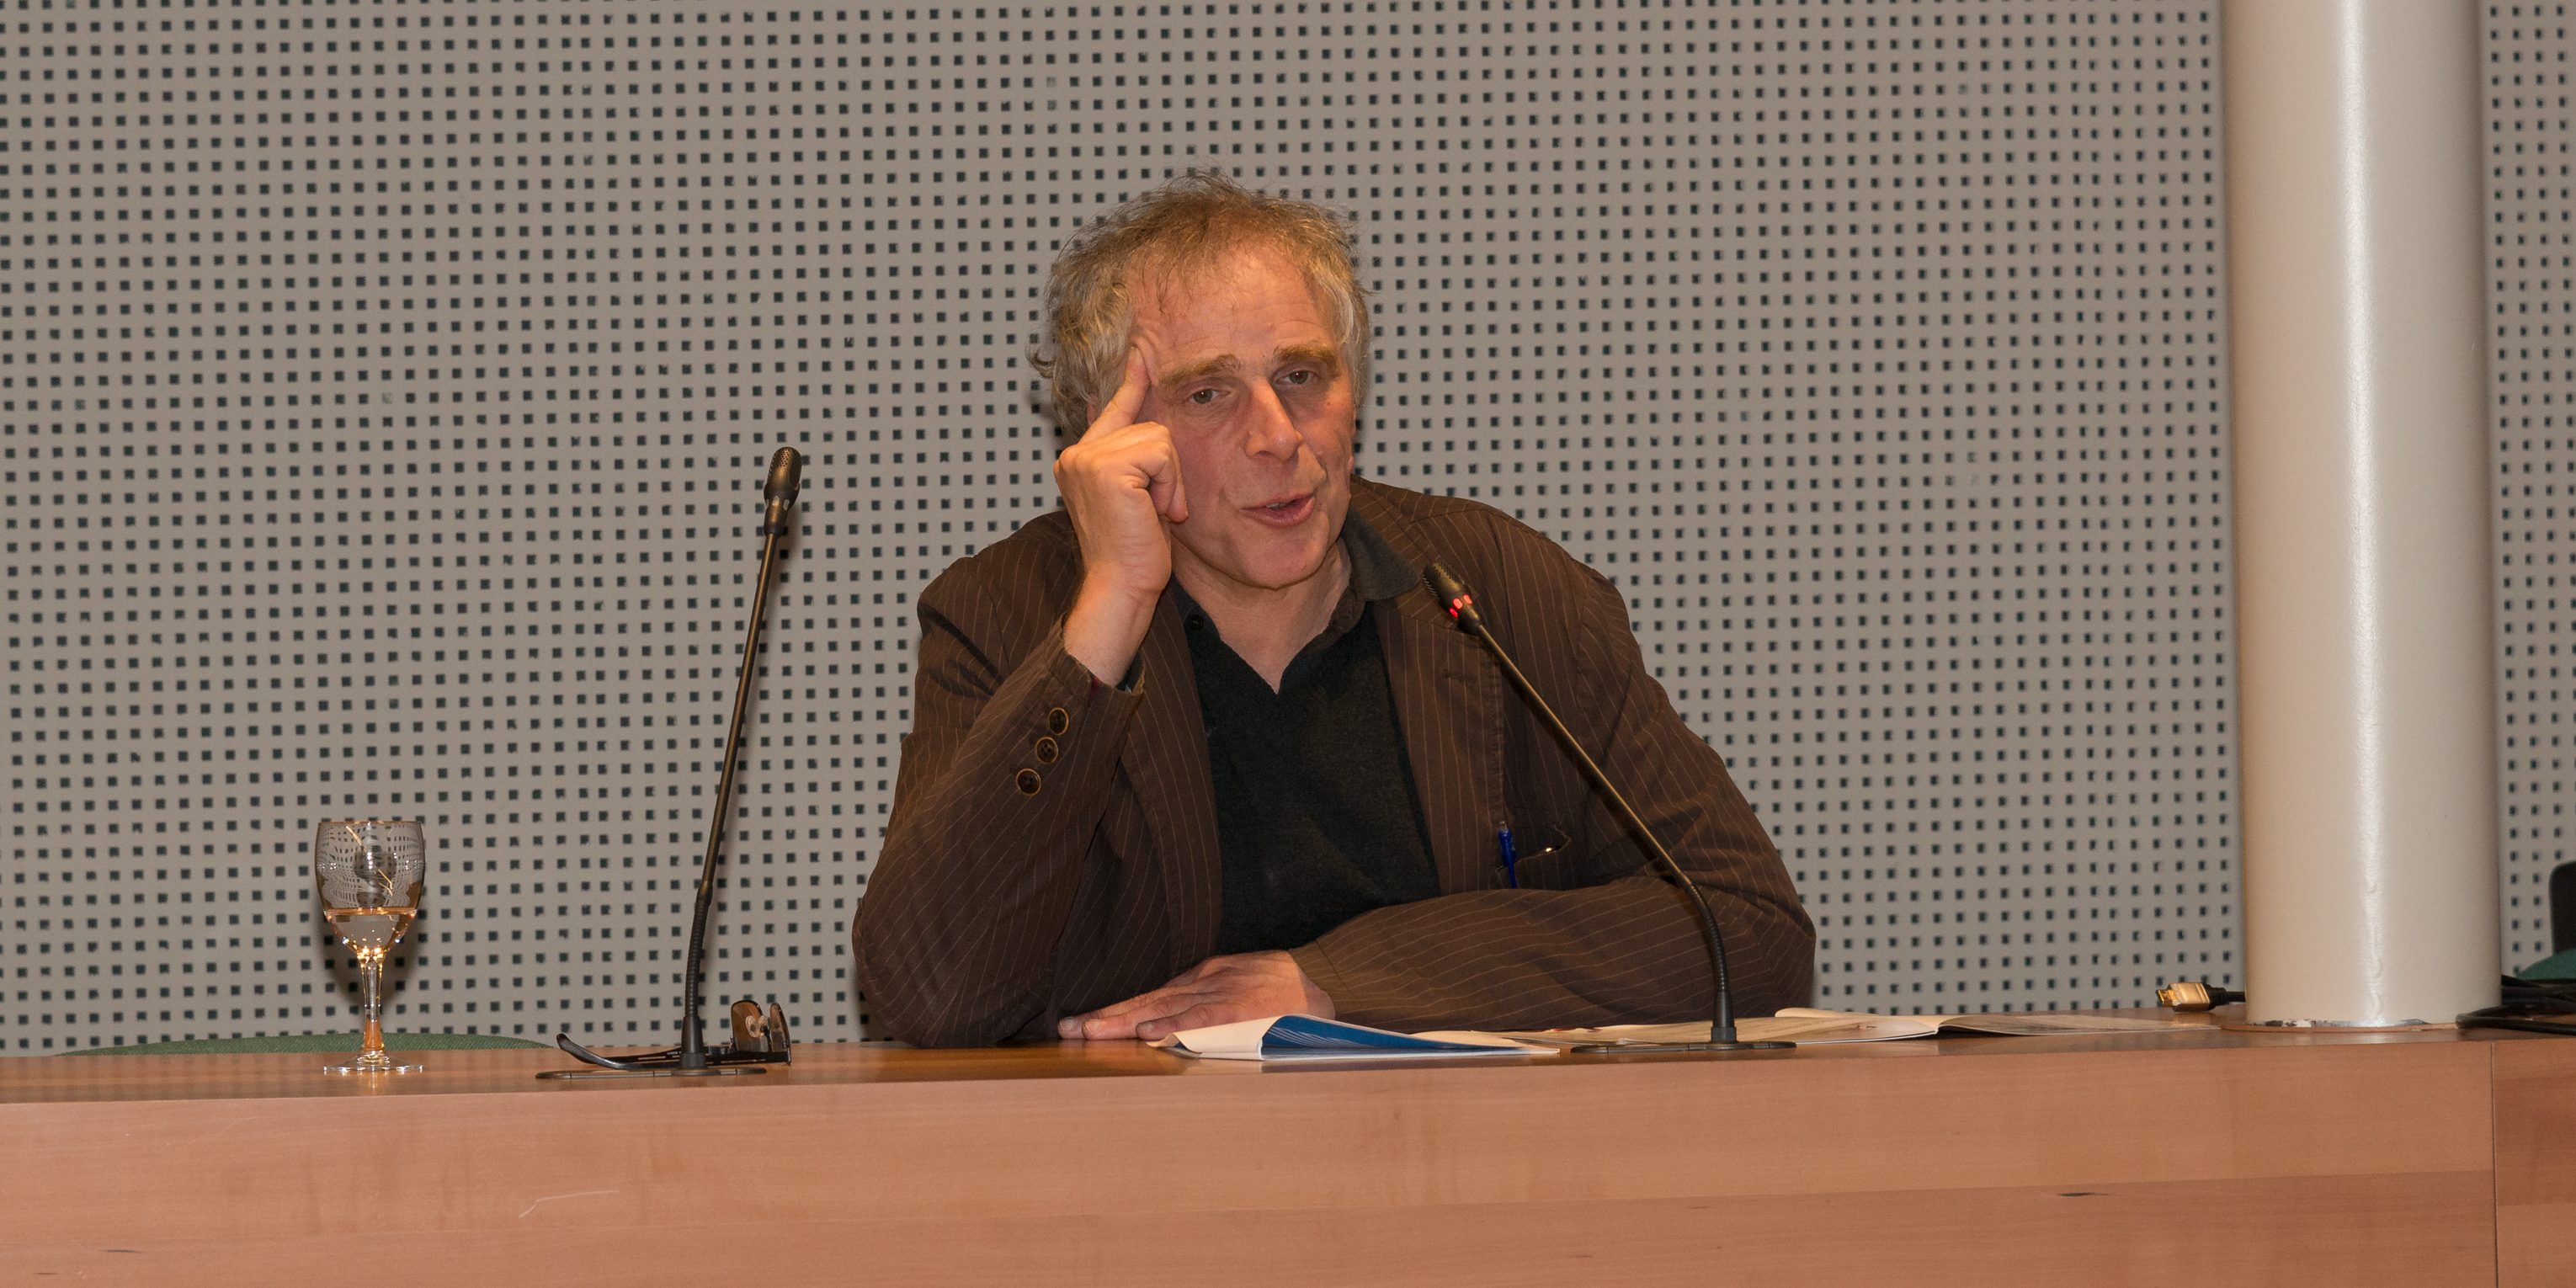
(387, 387)
(2533, 300)
(383, 391)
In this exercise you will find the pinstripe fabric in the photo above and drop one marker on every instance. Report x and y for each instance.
(993, 912)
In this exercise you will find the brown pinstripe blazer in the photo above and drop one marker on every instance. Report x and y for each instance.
(1053, 846)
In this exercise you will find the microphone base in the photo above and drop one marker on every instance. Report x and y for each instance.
(1674, 1048)
(568, 1075)
(720, 1061)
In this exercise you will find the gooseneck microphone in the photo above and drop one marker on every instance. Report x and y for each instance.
(759, 1038)
(1461, 605)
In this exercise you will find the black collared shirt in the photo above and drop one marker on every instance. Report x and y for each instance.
(1317, 816)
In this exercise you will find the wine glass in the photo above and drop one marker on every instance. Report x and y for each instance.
(369, 874)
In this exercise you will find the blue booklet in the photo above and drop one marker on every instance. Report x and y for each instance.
(1308, 1037)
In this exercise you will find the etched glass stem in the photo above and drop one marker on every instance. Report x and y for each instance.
(371, 971)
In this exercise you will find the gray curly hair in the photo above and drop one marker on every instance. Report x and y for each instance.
(1186, 225)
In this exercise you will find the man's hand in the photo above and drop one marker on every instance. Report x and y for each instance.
(1220, 990)
(1121, 483)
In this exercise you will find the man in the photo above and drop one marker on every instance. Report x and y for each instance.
(1201, 748)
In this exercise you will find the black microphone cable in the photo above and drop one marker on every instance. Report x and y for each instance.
(2523, 1001)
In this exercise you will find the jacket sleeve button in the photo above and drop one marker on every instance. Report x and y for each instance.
(1028, 782)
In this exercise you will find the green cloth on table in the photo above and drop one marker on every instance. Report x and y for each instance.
(2562, 966)
(345, 1040)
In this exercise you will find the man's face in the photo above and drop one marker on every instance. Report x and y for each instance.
(1249, 380)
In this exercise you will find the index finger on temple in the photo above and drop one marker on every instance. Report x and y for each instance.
(1132, 387)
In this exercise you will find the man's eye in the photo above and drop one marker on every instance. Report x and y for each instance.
(1202, 397)
(1298, 377)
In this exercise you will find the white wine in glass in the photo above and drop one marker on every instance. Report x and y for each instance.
(369, 873)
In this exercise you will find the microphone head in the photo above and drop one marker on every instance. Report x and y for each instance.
(785, 470)
(1454, 597)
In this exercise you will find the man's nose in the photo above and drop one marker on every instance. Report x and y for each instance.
(1272, 431)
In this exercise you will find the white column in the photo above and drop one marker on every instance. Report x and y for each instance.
(2364, 614)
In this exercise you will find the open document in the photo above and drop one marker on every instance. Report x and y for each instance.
(1306, 1037)
(1819, 1028)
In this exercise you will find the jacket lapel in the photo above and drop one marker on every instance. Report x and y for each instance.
(1165, 762)
(1448, 700)
(1449, 703)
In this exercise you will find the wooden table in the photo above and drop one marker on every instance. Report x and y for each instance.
(2204, 1158)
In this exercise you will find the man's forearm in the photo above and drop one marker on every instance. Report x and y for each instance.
(1627, 951)
(997, 803)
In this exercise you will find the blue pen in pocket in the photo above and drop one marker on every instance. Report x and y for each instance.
(1510, 856)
